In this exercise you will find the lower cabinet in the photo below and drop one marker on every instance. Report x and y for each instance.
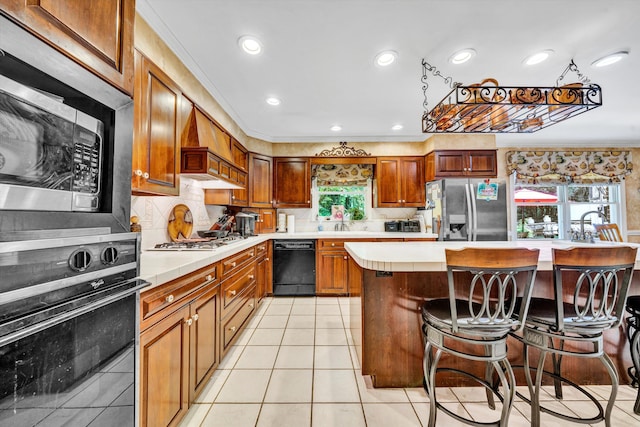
(178, 354)
(332, 266)
(264, 272)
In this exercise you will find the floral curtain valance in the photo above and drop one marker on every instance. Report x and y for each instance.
(563, 167)
(341, 175)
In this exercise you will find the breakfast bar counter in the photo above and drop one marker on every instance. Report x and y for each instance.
(388, 282)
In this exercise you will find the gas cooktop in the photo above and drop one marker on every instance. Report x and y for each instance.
(197, 244)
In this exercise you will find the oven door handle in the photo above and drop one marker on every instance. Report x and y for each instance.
(67, 315)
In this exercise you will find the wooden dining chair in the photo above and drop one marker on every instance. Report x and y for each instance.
(608, 232)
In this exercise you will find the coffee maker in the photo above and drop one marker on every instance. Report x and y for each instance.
(246, 223)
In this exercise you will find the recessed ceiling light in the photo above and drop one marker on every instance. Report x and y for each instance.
(386, 58)
(538, 57)
(610, 59)
(462, 56)
(396, 127)
(273, 101)
(250, 44)
(336, 128)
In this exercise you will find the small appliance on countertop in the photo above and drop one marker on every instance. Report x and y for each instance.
(404, 226)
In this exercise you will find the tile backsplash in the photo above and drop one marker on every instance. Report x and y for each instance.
(153, 213)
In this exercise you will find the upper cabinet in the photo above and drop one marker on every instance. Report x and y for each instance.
(400, 182)
(97, 35)
(292, 182)
(461, 163)
(260, 181)
(157, 124)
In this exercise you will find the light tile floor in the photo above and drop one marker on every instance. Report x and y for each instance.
(295, 365)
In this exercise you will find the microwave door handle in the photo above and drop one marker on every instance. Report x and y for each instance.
(470, 225)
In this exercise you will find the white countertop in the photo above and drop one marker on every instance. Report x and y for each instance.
(158, 267)
(429, 256)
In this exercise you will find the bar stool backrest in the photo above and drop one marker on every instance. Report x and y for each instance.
(496, 284)
(608, 232)
(595, 282)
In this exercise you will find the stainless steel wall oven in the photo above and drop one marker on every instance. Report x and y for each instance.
(68, 330)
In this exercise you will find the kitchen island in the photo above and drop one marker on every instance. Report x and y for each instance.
(395, 278)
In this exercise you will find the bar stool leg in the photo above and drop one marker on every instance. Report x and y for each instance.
(613, 373)
(509, 389)
(429, 367)
(488, 377)
(635, 357)
(535, 396)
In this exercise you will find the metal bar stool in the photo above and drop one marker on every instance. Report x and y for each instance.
(594, 282)
(489, 291)
(633, 333)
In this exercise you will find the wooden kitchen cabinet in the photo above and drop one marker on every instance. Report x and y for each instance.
(157, 128)
(400, 182)
(461, 163)
(179, 344)
(292, 182)
(97, 35)
(266, 222)
(264, 271)
(332, 266)
(260, 181)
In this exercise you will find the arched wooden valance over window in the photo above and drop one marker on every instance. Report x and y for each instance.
(342, 174)
(563, 167)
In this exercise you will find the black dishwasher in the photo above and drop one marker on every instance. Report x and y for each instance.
(294, 267)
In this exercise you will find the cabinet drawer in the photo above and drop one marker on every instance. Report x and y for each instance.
(234, 323)
(235, 262)
(330, 244)
(236, 286)
(261, 249)
(155, 304)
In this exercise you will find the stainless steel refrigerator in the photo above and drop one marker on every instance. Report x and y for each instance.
(468, 209)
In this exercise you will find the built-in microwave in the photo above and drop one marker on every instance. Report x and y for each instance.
(51, 154)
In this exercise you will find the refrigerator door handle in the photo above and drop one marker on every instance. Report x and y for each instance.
(474, 212)
(471, 229)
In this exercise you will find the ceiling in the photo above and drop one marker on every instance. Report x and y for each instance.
(318, 58)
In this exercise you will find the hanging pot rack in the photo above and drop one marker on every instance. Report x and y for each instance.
(487, 107)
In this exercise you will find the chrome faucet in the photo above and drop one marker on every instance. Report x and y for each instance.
(341, 226)
(582, 237)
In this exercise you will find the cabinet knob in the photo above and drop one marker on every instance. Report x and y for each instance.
(233, 197)
(145, 175)
(250, 305)
(346, 257)
(138, 172)
(233, 329)
(209, 278)
(195, 317)
(189, 321)
(170, 298)
(308, 201)
(333, 244)
(266, 259)
(233, 264)
(232, 292)
(251, 276)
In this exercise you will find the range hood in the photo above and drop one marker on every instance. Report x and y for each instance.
(206, 155)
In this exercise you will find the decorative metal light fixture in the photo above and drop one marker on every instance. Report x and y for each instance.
(487, 107)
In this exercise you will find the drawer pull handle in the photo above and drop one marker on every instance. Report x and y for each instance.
(195, 317)
(189, 321)
(251, 276)
(250, 305)
(170, 298)
(233, 264)
(232, 329)
(209, 278)
(232, 293)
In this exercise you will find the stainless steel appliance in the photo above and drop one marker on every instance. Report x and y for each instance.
(246, 223)
(50, 153)
(68, 330)
(203, 244)
(65, 141)
(294, 267)
(468, 209)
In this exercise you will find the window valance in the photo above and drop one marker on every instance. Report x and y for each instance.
(563, 167)
(342, 175)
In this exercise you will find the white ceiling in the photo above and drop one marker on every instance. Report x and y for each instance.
(318, 59)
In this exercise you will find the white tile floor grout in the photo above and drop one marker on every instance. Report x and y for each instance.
(295, 365)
